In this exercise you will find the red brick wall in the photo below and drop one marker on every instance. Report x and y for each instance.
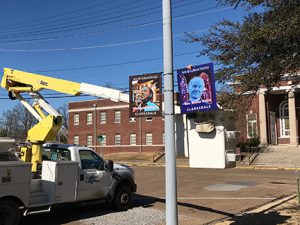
(125, 128)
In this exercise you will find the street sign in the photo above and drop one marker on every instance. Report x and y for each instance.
(100, 138)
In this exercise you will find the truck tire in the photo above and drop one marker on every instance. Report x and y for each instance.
(9, 212)
(122, 198)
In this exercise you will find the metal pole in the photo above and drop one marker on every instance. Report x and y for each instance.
(171, 180)
(140, 128)
(95, 127)
(298, 190)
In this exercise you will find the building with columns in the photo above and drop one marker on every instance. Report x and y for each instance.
(273, 115)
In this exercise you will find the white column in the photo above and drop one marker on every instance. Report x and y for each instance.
(292, 118)
(262, 118)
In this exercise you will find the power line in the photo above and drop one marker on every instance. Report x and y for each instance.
(183, 16)
(55, 96)
(96, 46)
(80, 17)
(89, 23)
(115, 64)
(53, 16)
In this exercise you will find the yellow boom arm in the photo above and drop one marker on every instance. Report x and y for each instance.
(18, 82)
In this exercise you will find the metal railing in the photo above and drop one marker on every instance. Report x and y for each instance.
(158, 154)
(252, 153)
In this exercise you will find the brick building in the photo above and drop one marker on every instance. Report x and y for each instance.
(90, 119)
(274, 114)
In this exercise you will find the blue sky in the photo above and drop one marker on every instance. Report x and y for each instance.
(99, 41)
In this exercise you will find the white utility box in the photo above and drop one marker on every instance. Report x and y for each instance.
(59, 180)
(211, 147)
(13, 175)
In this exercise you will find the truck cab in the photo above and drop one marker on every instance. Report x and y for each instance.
(96, 175)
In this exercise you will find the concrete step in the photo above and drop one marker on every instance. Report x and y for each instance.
(280, 156)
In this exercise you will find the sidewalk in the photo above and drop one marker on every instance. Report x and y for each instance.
(145, 159)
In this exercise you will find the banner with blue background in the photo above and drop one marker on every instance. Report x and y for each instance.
(196, 86)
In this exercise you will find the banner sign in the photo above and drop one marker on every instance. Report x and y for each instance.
(145, 95)
(196, 87)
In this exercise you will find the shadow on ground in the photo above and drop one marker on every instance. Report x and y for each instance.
(270, 218)
(147, 201)
(69, 213)
(72, 213)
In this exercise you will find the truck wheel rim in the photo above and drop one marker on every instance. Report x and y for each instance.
(124, 198)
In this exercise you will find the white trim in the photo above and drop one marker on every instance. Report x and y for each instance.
(282, 117)
(99, 108)
(124, 146)
(281, 88)
(247, 120)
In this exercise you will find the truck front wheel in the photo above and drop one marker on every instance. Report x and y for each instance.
(9, 212)
(122, 199)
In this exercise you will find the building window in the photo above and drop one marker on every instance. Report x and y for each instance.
(132, 119)
(102, 117)
(117, 139)
(103, 140)
(163, 139)
(284, 119)
(251, 125)
(148, 119)
(76, 119)
(117, 116)
(89, 118)
(76, 140)
(148, 138)
(89, 140)
(132, 139)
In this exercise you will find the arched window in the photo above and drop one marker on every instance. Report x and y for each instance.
(284, 119)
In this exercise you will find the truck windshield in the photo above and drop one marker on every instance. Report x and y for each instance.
(56, 154)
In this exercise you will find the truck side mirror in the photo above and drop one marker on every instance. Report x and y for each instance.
(110, 166)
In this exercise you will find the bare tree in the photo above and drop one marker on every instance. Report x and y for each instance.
(63, 110)
(17, 122)
(62, 135)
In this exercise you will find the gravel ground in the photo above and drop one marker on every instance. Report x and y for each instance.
(135, 216)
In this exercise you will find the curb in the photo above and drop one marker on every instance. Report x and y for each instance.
(187, 166)
(267, 168)
(150, 164)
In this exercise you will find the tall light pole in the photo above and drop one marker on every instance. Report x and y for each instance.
(171, 179)
(95, 126)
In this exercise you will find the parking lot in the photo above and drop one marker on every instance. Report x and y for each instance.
(204, 196)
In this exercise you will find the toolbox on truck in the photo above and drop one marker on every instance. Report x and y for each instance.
(59, 180)
(13, 175)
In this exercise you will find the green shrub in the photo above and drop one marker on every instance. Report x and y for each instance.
(250, 142)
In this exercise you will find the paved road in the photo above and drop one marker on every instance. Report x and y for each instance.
(204, 195)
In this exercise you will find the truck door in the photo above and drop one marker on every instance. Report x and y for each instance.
(93, 182)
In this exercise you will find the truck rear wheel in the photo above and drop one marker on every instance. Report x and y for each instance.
(122, 199)
(9, 212)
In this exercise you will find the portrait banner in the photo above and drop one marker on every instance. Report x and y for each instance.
(196, 86)
(145, 95)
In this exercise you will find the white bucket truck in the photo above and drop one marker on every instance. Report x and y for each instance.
(70, 173)
(66, 173)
